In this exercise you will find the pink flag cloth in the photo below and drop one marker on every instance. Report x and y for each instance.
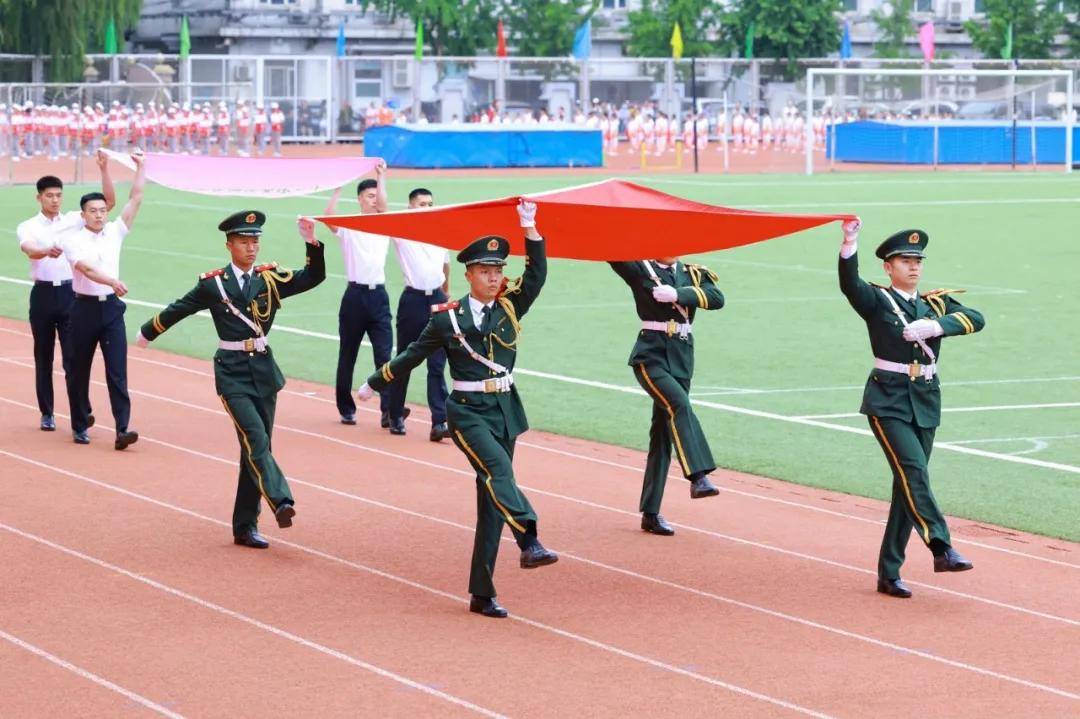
(250, 176)
(926, 40)
(608, 220)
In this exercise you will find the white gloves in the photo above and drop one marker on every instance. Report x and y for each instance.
(665, 293)
(365, 393)
(527, 213)
(851, 236)
(140, 340)
(922, 330)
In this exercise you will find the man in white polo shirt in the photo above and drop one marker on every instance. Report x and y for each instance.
(97, 316)
(365, 306)
(426, 269)
(51, 297)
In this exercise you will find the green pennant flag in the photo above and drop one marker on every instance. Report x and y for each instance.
(1007, 48)
(749, 52)
(419, 39)
(185, 38)
(110, 38)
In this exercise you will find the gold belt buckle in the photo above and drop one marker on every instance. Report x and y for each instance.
(914, 371)
(249, 345)
(491, 385)
(672, 328)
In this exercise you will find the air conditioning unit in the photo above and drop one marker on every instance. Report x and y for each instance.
(401, 75)
(954, 16)
(241, 73)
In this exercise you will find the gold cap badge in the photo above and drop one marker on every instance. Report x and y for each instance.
(250, 218)
(913, 238)
(493, 245)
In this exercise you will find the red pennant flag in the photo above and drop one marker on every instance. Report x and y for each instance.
(608, 220)
(500, 45)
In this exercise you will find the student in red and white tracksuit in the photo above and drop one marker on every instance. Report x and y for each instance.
(243, 129)
(224, 128)
(277, 127)
(261, 124)
(662, 128)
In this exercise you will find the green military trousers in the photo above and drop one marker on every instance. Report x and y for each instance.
(498, 500)
(907, 449)
(260, 475)
(673, 422)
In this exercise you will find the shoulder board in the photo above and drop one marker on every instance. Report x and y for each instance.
(875, 284)
(212, 273)
(445, 306)
(941, 291)
(267, 266)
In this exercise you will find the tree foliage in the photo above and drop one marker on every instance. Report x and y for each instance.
(785, 30)
(651, 27)
(451, 27)
(63, 30)
(1034, 22)
(545, 28)
(894, 27)
(1072, 27)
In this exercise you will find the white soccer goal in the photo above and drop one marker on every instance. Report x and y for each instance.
(940, 118)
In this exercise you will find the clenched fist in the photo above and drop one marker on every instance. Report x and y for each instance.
(527, 213)
(365, 393)
(665, 293)
(922, 330)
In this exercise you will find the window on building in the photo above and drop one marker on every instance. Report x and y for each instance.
(924, 6)
(614, 4)
(278, 2)
(367, 80)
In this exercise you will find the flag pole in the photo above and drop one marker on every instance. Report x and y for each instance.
(693, 115)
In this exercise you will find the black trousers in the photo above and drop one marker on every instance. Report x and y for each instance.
(413, 314)
(93, 324)
(50, 319)
(363, 310)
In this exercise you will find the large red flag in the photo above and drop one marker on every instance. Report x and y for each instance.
(608, 220)
(500, 41)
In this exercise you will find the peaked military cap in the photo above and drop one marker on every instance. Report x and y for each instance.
(487, 250)
(246, 222)
(908, 243)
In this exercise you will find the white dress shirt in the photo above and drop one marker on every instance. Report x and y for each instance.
(365, 256)
(421, 264)
(905, 295)
(100, 249)
(39, 233)
(240, 275)
(477, 308)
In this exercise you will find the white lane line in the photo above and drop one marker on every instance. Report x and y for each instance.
(891, 646)
(748, 494)
(90, 676)
(379, 573)
(983, 408)
(205, 604)
(583, 502)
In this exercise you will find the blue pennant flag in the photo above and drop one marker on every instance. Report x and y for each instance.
(341, 39)
(845, 42)
(583, 41)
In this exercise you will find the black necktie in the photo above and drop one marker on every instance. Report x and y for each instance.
(485, 325)
(244, 285)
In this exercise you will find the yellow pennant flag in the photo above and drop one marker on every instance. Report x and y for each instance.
(676, 42)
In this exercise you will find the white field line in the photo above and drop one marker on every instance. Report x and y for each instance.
(632, 468)
(90, 676)
(379, 573)
(951, 180)
(849, 387)
(574, 500)
(890, 646)
(930, 203)
(1038, 444)
(983, 408)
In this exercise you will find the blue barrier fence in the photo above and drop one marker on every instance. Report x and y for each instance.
(958, 143)
(445, 146)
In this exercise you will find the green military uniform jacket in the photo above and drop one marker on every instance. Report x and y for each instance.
(891, 394)
(238, 372)
(500, 412)
(696, 289)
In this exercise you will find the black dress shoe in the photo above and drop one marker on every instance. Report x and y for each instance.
(893, 587)
(385, 421)
(81, 437)
(348, 419)
(702, 487)
(486, 606)
(126, 439)
(951, 561)
(439, 432)
(397, 426)
(48, 424)
(536, 556)
(251, 538)
(656, 524)
(284, 515)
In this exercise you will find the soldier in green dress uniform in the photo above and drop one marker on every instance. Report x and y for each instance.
(243, 298)
(480, 333)
(902, 399)
(668, 293)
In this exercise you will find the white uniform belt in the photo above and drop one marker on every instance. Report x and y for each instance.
(913, 370)
(671, 327)
(495, 384)
(255, 344)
